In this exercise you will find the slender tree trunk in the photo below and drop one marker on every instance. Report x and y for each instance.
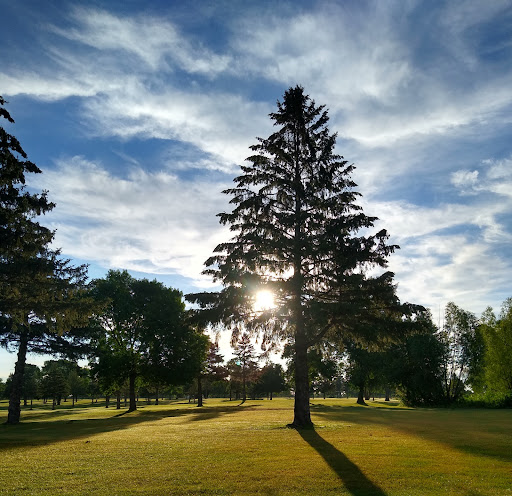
(133, 403)
(156, 395)
(199, 391)
(72, 401)
(244, 392)
(107, 401)
(14, 412)
(118, 400)
(387, 394)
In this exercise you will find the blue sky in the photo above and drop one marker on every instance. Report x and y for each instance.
(139, 114)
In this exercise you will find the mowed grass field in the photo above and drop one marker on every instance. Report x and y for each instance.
(226, 448)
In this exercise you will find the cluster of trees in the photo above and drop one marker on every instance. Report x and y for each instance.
(465, 360)
(299, 234)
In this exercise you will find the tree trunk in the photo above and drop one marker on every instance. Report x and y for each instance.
(14, 412)
(107, 401)
(199, 391)
(301, 411)
(244, 392)
(118, 400)
(387, 394)
(156, 395)
(133, 403)
(360, 396)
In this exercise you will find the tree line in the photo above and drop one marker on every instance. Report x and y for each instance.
(299, 234)
(464, 362)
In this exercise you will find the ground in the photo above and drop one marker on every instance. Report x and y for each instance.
(226, 448)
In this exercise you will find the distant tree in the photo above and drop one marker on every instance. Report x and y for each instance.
(462, 353)
(31, 383)
(359, 370)
(40, 293)
(322, 371)
(146, 333)
(272, 379)
(246, 358)
(213, 371)
(497, 334)
(78, 380)
(297, 233)
(417, 367)
(235, 378)
(54, 384)
(2, 388)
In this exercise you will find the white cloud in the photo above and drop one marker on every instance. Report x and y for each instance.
(218, 123)
(437, 269)
(155, 41)
(148, 222)
(464, 180)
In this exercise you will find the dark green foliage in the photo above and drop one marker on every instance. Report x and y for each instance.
(40, 294)
(418, 370)
(54, 384)
(271, 380)
(297, 232)
(144, 334)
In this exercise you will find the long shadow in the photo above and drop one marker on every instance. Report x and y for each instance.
(473, 431)
(353, 479)
(36, 433)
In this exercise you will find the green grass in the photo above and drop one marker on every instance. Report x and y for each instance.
(224, 449)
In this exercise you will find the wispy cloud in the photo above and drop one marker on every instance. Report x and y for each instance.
(411, 88)
(148, 222)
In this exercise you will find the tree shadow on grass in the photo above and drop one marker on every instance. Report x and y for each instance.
(473, 431)
(350, 474)
(35, 433)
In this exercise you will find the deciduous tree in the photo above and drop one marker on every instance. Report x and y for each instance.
(145, 333)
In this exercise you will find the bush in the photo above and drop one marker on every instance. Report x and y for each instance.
(489, 399)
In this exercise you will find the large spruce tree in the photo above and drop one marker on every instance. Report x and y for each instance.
(40, 293)
(298, 233)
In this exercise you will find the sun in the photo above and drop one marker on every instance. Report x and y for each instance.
(264, 300)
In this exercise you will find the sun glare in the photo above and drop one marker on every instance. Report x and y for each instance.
(264, 301)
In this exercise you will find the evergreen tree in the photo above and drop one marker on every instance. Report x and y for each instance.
(40, 293)
(297, 233)
(246, 359)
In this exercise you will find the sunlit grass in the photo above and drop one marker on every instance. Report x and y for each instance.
(226, 448)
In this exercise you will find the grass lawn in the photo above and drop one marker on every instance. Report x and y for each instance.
(224, 448)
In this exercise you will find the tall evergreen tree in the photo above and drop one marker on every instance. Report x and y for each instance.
(40, 293)
(296, 228)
